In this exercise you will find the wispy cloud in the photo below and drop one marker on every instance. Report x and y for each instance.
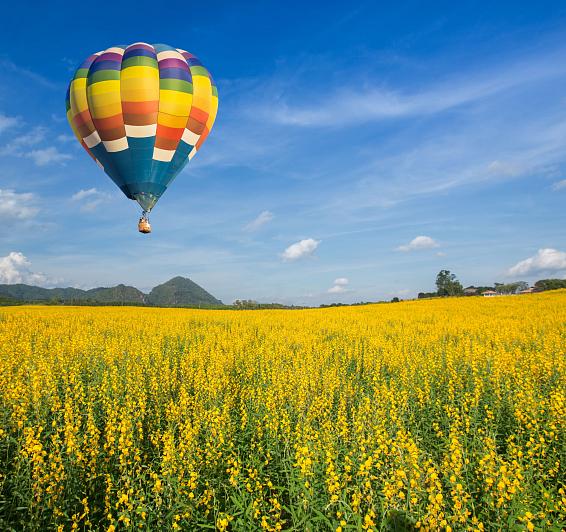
(263, 218)
(65, 139)
(417, 152)
(9, 66)
(546, 260)
(339, 286)
(506, 168)
(32, 137)
(371, 103)
(6, 122)
(45, 156)
(28, 146)
(300, 250)
(16, 268)
(90, 199)
(559, 185)
(419, 242)
(20, 206)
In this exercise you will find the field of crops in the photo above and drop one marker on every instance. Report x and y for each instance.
(440, 414)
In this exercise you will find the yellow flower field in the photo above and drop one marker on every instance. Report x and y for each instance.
(439, 415)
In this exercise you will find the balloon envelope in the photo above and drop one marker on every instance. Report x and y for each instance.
(142, 112)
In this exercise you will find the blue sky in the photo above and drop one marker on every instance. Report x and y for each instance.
(358, 149)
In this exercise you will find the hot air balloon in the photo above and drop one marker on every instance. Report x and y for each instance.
(142, 112)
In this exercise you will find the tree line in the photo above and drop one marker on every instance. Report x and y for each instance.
(447, 284)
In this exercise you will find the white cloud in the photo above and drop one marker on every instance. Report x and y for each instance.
(559, 185)
(93, 198)
(19, 146)
(544, 260)
(45, 156)
(419, 242)
(300, 249)
(507, 169)
(31, 138)
(263, 218)
(19, 206)
(82, 194)
(336, 289)
(64, 139)
(339, 286)
(7, 122)
(352, 106)
(13, 68)
(16, 268)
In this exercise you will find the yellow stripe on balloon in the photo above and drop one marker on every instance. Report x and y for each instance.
(104, 99)
(202, 92)
(213, 112)
(175, 103)
(105, 87)
(78, 97)
(172, 120)
(139, 72)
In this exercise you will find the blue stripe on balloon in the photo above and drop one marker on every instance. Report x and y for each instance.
(147, 187)
(175, 73)
(108, 163)
(142, 156)
(180, 159)
(138, 52)
(104, 65)
(193, 61)
(160, 172)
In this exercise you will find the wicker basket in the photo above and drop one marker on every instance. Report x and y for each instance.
(144, 226)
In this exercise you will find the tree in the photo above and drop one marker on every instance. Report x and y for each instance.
(448, 284)
(425, 295)
(511, 288)
(550, 284)
(395, 300)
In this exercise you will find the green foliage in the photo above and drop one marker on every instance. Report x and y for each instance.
(250, 304)
(181, 292)
(448, 284)
(24, 292)
(7, 300)
(550, 284)
(511, 288)
(426, 295)
(481, 289)
(117, 294)
(178, 292)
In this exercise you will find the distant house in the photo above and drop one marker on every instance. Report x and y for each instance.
(529, 290)
(489, 293)
(470, 291)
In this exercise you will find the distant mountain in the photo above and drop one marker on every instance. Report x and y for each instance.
(7, 300)
(25, 292)
(178, 292)
(181, 292)
(120, 294)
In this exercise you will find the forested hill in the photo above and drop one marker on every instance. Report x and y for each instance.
(181, 292)
(177, 292)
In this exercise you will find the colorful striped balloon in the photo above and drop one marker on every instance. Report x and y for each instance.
(142, 112)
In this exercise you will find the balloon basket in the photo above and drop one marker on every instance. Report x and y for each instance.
(143, 225)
